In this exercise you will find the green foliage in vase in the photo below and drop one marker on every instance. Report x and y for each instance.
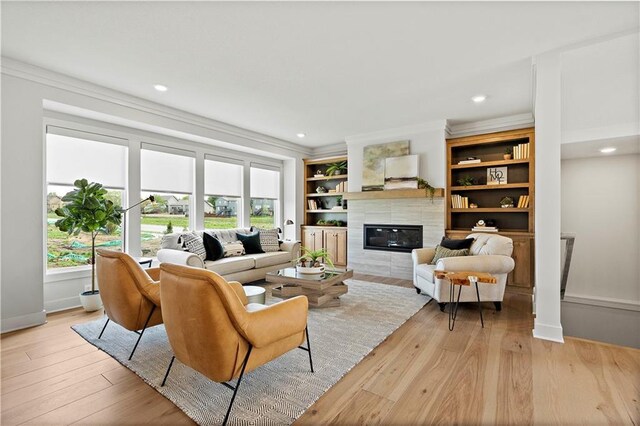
(337, 168)
(465, 180)
(313, 257)
(86, 209)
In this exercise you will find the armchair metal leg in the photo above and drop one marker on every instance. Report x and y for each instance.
(442, 306)
(168, 370)
(308, 348)
(498, 306)
(103, 328)
(235, 390)
(142, 332)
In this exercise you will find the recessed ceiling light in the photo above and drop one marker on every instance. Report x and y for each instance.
(607, 150)
(479, 98)
(301, 135)
(160, 87)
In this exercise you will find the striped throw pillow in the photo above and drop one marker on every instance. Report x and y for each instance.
(193, 244)
(269, 240)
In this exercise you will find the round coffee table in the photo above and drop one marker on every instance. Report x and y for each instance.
(254, 294)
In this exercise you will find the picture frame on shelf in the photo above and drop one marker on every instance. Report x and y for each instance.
(497, 175)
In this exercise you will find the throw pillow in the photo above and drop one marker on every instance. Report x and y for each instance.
(233, 248)
(269, 240)
(193, 244)
(456, 244)
(213, 246)
(442, 252)
(251, 242)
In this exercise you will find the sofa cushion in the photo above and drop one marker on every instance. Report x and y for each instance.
(170, 241)
(456, 244)
(425, 271)
(269, 240)
(233, 249)
(229, 265)
(213, 246)
(193, 243)
(442, 252)
(228, 235)
(270, 259)
(487, 244)
(251, 242)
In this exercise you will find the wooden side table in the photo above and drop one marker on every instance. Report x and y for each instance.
(459, 279)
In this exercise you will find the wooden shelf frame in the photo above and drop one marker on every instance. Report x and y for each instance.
(327, 194)
(334, 177)
(491, 187)
(492, 210)
(490, 164)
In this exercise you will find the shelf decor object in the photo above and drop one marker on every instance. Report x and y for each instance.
(482, 175)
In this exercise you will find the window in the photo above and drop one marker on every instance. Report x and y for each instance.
(265, 196)
(168, 175)
(222, 193)
(75, 155)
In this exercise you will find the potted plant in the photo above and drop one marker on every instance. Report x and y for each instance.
(508, 153)
(337, 168)
(506, 202)
(465, 180)
(423, 184)
(87, 210)
(309, 262)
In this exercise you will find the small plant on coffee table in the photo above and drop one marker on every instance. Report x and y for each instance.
(311, 258)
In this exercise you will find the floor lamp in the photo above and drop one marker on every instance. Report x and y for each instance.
(124, 220)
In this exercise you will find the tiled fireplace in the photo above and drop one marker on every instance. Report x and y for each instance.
(395, 213)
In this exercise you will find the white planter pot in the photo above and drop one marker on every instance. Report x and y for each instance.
(310, 270)
(91, 302)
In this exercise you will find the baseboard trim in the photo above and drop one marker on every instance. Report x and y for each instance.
(548, 332)
(62, 304)
(604, 302)
(23, 321)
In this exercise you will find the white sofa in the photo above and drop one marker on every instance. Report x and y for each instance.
(489, 253)
(246, 268)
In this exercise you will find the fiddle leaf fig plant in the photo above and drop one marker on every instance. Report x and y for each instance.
(311, 258)
(87, 210)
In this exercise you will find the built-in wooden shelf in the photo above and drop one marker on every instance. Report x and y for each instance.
(327, 194)
(506, 232)
(491, 210)
(483, 187)
(310, 179)
(489, 164)
(327, 211)
(393, 193)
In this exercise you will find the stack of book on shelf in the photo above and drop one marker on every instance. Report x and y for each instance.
(521, 151)
(313, 205)
(523, 202)
(470, 160)
(459, 202)
(484, 229)
(341, 187)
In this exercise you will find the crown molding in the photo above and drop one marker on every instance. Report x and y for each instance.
(56, 80)
(397, 132)
(511, 122)
(332, 150)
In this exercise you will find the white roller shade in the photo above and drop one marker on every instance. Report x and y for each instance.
(222, 178)
(164, 172)
(265, 183)
(71, 158)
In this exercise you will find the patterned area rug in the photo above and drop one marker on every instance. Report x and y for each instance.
(280, 391)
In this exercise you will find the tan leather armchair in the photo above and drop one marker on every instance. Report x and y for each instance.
(130, 294)
(212, 328)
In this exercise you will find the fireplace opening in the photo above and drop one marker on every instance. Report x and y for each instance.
(402, 238)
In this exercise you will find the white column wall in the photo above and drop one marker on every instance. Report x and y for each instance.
(547, 183)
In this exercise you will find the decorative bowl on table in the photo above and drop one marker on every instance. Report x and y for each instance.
(310, 269)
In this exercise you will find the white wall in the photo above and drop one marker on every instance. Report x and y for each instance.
(600, 86)
(427, 140)
(601, 205)
(23, 292)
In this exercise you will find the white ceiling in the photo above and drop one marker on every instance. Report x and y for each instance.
(628, 145)
(328, 69)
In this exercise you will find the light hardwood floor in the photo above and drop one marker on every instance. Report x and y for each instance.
(420, 374)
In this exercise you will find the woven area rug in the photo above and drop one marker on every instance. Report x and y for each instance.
(280, 391)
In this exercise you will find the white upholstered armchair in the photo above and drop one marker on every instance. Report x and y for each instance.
(489, 253)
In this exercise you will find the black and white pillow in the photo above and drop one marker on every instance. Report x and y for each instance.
(193, 244)
(269, 240)
(233, 248)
